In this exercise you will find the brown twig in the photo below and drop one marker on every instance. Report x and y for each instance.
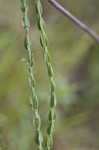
(75, 20)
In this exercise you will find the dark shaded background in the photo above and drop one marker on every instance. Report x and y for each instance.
(75, 58)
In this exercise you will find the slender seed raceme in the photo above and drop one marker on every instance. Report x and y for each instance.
(34, 98)
(44, 45)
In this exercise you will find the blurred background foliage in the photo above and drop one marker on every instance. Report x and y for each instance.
(75, 57)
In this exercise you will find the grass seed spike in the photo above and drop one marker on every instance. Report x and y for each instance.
(44, 45)
(34, 99)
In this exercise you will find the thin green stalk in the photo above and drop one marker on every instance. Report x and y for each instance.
(44, 45)
(34, 98)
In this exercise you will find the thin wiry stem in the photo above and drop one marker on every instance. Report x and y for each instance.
(75, 20)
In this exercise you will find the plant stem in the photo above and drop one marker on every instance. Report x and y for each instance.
(75, 20)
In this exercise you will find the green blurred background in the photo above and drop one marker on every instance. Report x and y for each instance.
(75, 58)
